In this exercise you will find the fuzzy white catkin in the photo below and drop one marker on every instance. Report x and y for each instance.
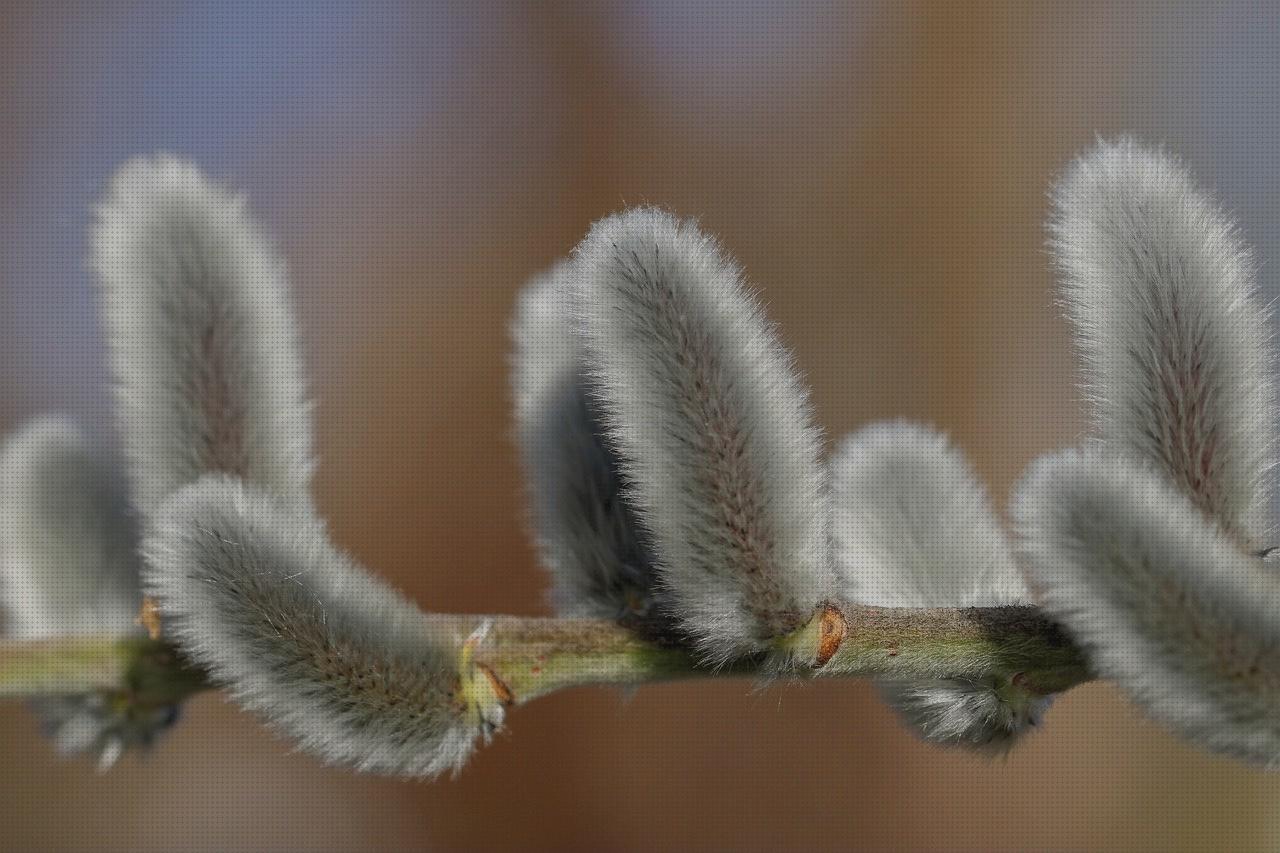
(69, 566)
(913, 527)
(252, 589)
(714, 427)
(1175, 340)
(588, 536)
(1163, 601)
(67, 545)
(198, 316)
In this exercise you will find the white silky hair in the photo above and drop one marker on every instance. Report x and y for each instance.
(68, 557)
(1175, 341)
(1163, 600)
(913, 527)
(588, 536)
(714, 427)
(252, 589)
(204, 348)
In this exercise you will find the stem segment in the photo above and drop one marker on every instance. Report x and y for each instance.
(523, 658)
(151, 669)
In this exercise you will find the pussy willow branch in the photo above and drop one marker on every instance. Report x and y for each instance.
(528, 657)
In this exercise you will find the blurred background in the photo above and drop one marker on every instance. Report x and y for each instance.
(881, 172)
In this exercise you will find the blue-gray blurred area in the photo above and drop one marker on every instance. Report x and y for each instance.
(881, 171)
(261, 93)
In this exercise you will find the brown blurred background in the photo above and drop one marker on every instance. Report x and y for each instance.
(881, 172)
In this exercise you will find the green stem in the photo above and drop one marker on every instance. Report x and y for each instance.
(83, 664)
(976, 642)
(523, 658)
(533, 657)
